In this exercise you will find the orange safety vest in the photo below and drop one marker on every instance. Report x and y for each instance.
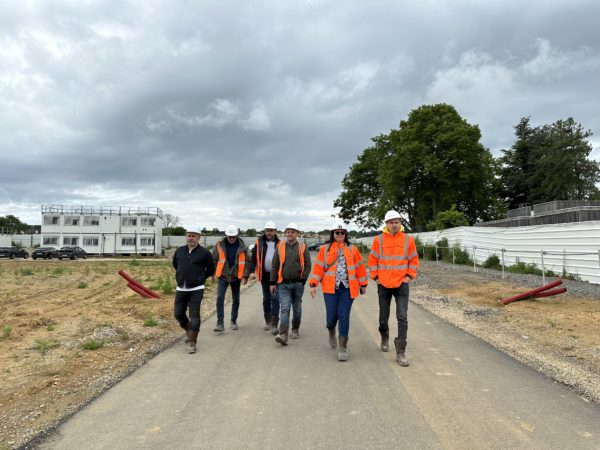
(281, 251)
(392, 258)
(259, 260)
(241, 262)
(325, 268)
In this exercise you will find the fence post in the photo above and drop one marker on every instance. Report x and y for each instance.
(454, 260)
(436, 256)
(564, 262)
(502, 250)
(543, 269)
(474, 264)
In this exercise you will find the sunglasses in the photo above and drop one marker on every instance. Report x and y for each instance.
(339, 233)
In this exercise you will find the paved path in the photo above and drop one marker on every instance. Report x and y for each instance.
(243, 390)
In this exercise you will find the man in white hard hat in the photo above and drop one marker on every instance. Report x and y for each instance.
(393, 263)
(261, 263)
(291, 268)
(230, 258)
(193, 265)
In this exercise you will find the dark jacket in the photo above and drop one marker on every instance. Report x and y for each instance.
(192, 268)
(260, 245)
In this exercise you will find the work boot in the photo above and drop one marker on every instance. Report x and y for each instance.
(400, 348)
(342, 352)
(385, 341)
(274, 322)
(220, 327)
(193, 338)
(282, 336)
(295, 329)
(267, 326)
(332, 339)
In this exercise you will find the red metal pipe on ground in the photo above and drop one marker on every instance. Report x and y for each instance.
(531, 293)
(142, 292)
(139, 285)
(550, 293)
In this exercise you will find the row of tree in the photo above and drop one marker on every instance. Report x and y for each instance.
(13, 225)
(434, 163)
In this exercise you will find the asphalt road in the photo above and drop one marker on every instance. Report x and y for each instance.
(244, 390)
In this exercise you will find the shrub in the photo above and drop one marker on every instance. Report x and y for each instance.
(531, 268)
(444, 251)
(461, 256)
(82, 285)
(166, 285)
(42, 345)
(134, 262)
(492, 262)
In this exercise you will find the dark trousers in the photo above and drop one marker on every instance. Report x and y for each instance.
(270, 302)
(337, 308)
(185, 300)
(235, 297)
(400, 294)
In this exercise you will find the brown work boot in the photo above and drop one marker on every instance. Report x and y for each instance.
(282, 336)
(274, 322)
(400, 349)
(267, 326)
(193, 338)
(342, 349)
(385, 341)
(332, 339)
(295, 329)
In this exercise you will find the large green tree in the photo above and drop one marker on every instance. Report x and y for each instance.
(549, 162)
(12, 224)
(432, 161)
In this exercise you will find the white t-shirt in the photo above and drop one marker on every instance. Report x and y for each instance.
(269, 255)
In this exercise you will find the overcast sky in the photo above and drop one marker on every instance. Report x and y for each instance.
(246, 111)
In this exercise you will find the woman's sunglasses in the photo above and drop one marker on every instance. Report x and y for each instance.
(339, 233)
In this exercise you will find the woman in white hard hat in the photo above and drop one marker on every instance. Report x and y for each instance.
(343, 276)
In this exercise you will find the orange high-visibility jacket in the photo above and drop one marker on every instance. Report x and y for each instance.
(281, 251)
(326, 265)
(392, 258)
(241, 261)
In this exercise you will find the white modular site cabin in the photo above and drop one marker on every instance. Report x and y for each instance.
(103, 229)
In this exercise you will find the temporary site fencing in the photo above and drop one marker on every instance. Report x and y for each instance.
(571, 249)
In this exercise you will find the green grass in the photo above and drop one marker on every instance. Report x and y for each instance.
(82, 285)
(43, 346)
(166, 285)
(150, 321)
(6, 331)
(26, 271)
(50, 327)
(92, 344)
(134, 262)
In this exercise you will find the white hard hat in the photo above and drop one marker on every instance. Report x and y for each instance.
(391, 214)
(231, 230)
(293, 226)
(270, 226)
(339, 225)
(193, 229)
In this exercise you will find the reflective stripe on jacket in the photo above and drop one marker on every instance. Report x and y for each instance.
(325, 268)
(240, 262)
(281, 252)
(392, 258)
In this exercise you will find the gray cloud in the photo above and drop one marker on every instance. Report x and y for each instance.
(224, 112)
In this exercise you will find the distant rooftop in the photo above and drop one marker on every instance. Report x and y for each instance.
(102, 210)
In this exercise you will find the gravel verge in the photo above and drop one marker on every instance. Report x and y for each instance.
(486, 324)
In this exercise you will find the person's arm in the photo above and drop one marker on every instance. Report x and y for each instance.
(210, 265)
(361, 271)
(175, 260)
(307, 264)
(251, 265)
(413, 259)
(317, 272)
(373, 259)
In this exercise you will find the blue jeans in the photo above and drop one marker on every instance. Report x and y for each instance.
(235, 296)
(338, 308)
(290, 295)
(270, 302)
